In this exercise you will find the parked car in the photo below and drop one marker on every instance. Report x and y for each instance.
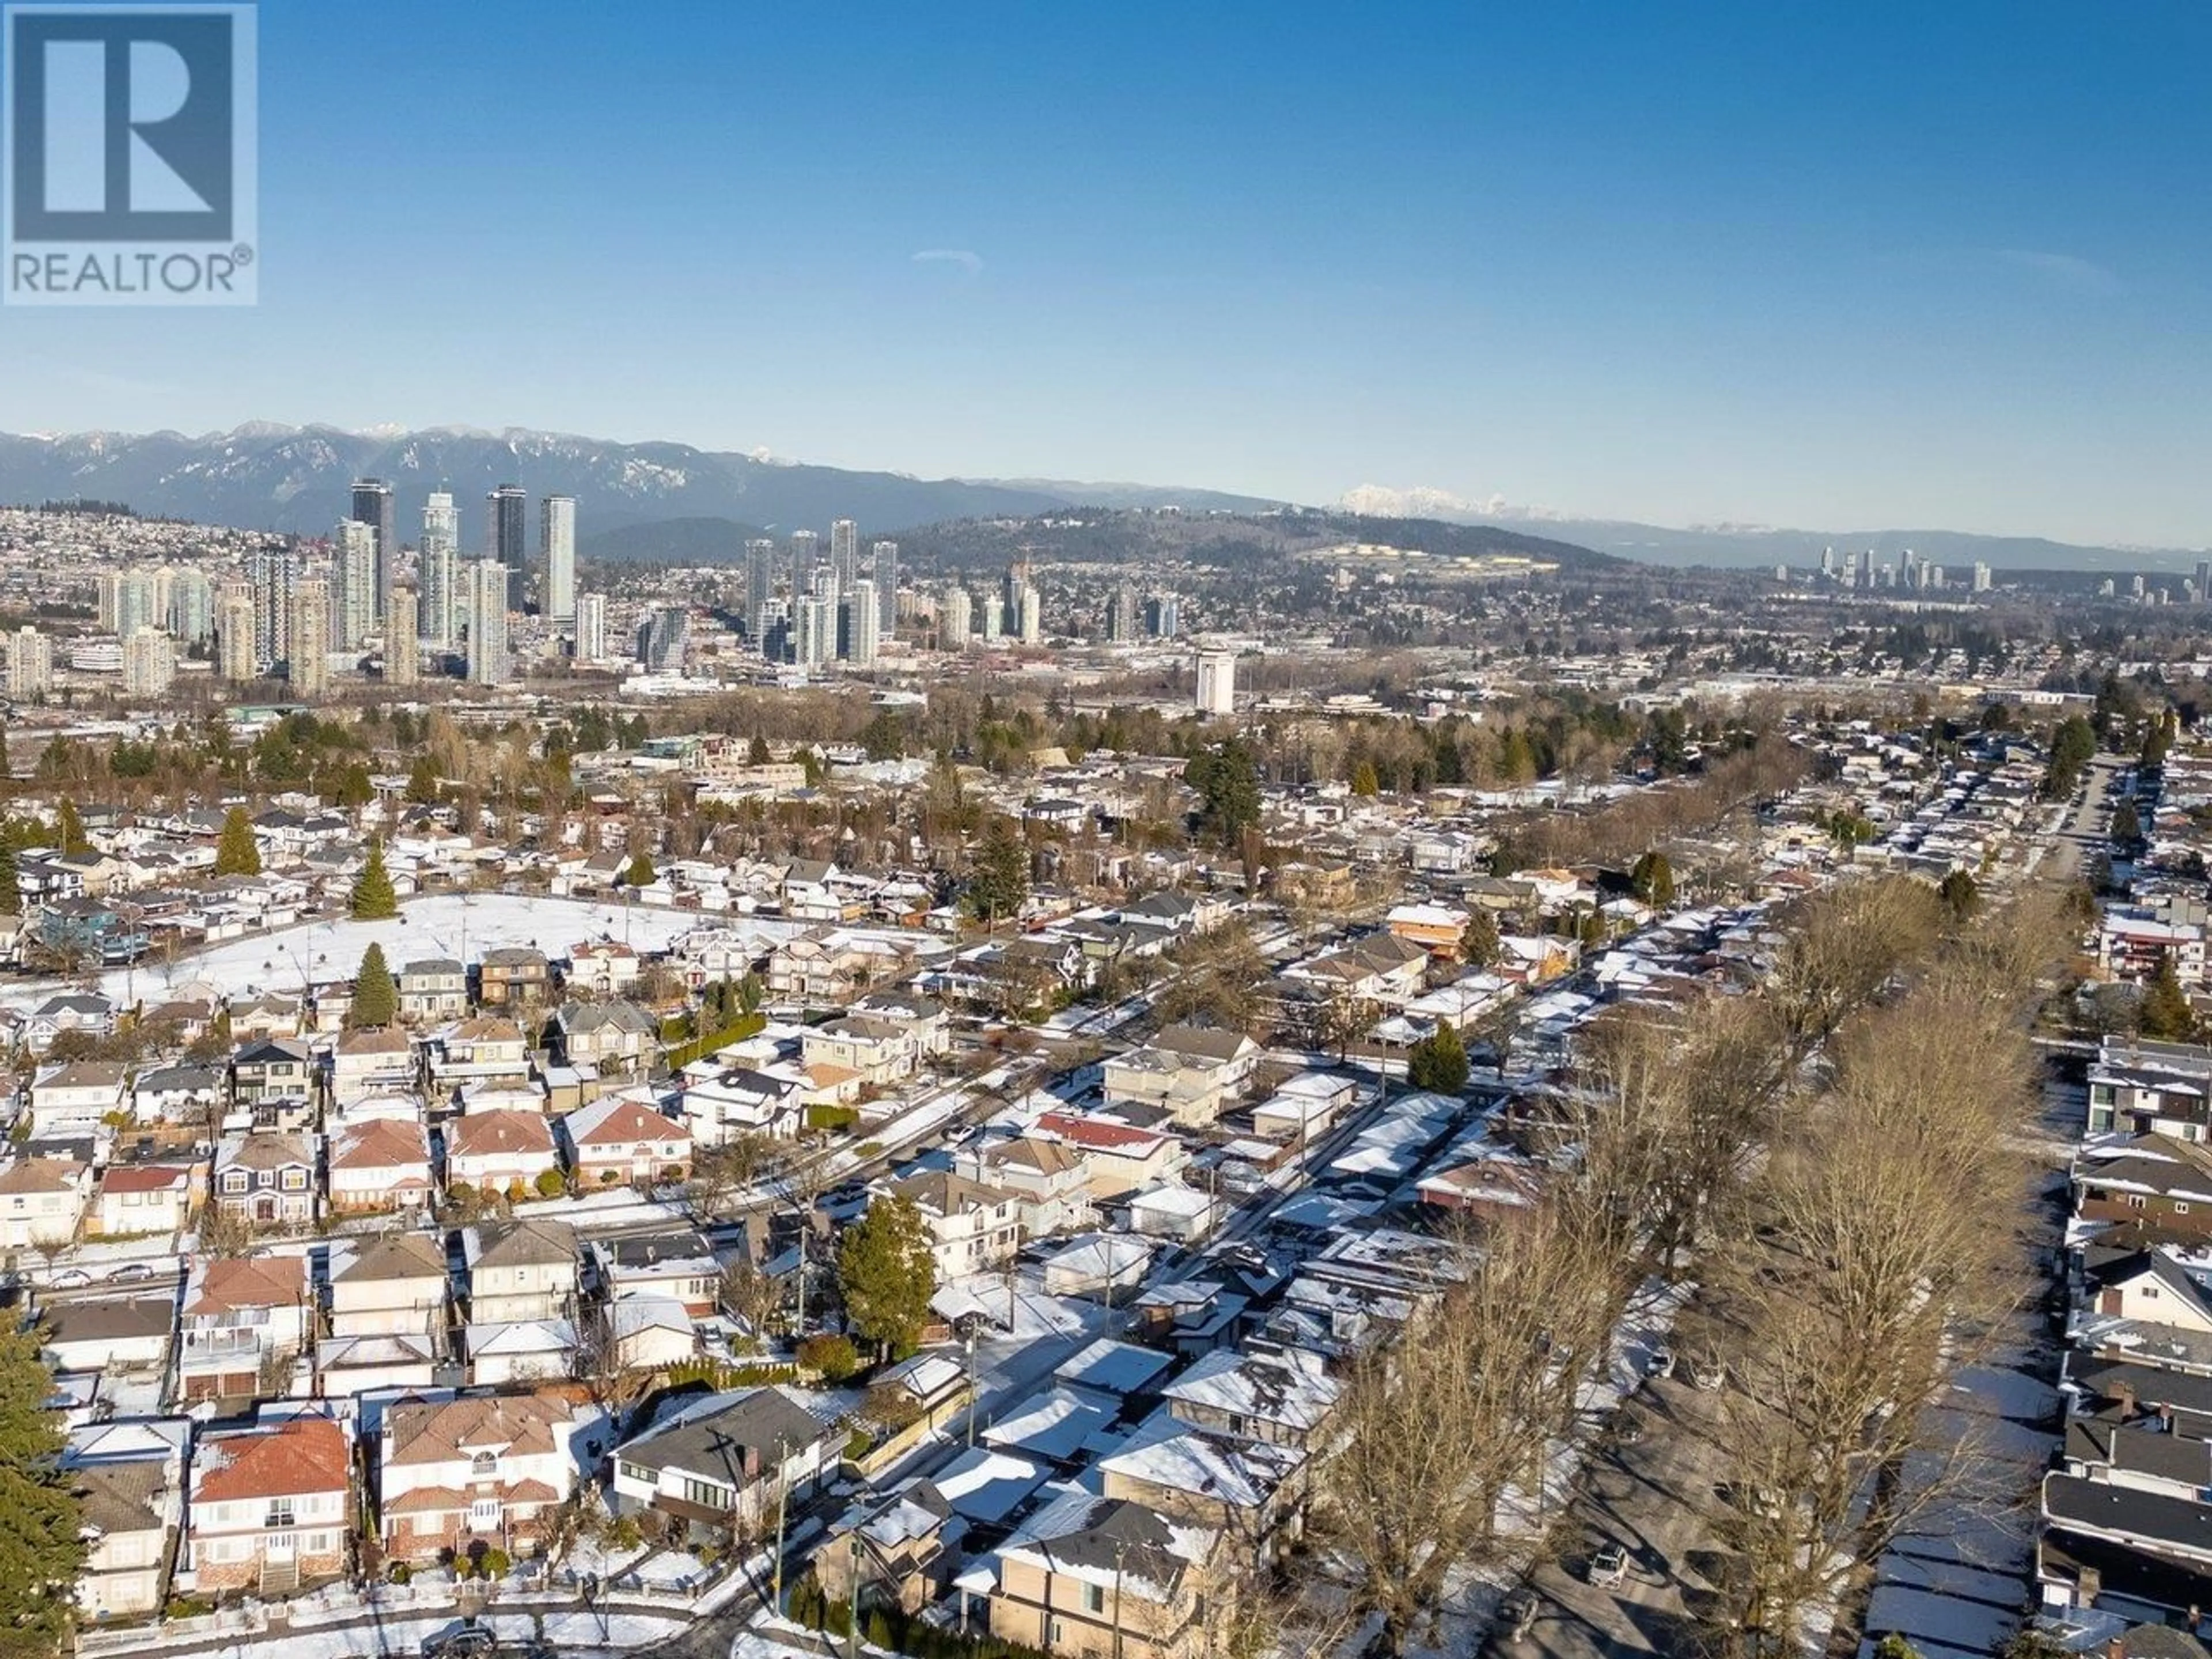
(130, 1272)
(1609, 1565)
(469, 1642)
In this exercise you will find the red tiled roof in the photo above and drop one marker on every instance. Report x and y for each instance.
(265, 1281)
(380, 1144)
(304, 1454)
(1095, 1132)
(145, 1178)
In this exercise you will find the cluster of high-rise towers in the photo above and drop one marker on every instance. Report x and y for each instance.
(803, 608)
(290, 612)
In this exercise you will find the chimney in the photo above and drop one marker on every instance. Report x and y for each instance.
(2117, 1648)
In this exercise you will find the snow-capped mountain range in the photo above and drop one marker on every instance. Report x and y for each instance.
(297, 478)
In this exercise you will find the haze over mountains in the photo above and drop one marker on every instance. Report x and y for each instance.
(1759, 545)
(675, 501)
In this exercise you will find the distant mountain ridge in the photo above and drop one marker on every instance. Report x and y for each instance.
(668, 500)
(296, 478)
(1756, 546)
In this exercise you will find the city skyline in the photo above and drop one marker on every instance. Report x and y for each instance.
(1797, 297)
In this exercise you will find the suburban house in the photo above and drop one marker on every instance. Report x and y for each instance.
(69, 1011)
(42, 1199)
(927, 1026)
(972, 1228)
(513, 975)
(241, 1315)
(1250, 1491)
(489, 1049)
(605, 1036)
(374, 1062)
(271, 1069)
(743, 1101)
(178, 1094)
(267, 1176)
(470, 1473)
(383, 1163)
(904, 1553)
(718, 1463)
(75, 1098)
(130, 1478)
(388, 1284)
(433, 989)
(2148, 1189)
(1380, 968)
(499, 1151)
(2140, 1087)
(142, 1198)
(620, 1140)
(880, 1051)
(1283, 1399)
(1118, 1158)
(270, 1507)
(1192, 1073)
(1096, 1578)
(678, 1266)
(1048, 1180)
(519, 1270)
(604, 969)
(1436, 928)
(115, 1338)
(648, 1333)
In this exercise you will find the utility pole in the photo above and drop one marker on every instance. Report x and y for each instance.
(852, 1559)
(782, 1503)
(972, 1403)
(1118, 1550)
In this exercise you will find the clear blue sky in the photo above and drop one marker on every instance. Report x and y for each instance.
(1842, 267)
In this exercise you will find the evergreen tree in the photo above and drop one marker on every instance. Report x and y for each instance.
(41, 1548)
(1438, 1063)
(1653, 879)
(1960, 897)
(237, 854)
(11, 888)
(422, 782)
(374, 899)
(758, 754)
(68, 829)
(640, 872)
(887, 1273)
(375, 997)
(6, 770)
(1228, 783)
(1000, 880)
(1478, 943)
(2127, 822)
(2164, 1015)
(1364, 780)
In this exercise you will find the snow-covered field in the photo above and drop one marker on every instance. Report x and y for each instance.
(459, 924)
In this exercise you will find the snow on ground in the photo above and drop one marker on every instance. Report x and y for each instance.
(595, 1556)
(773, 1638)
(459, 925)
(671, 1570)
